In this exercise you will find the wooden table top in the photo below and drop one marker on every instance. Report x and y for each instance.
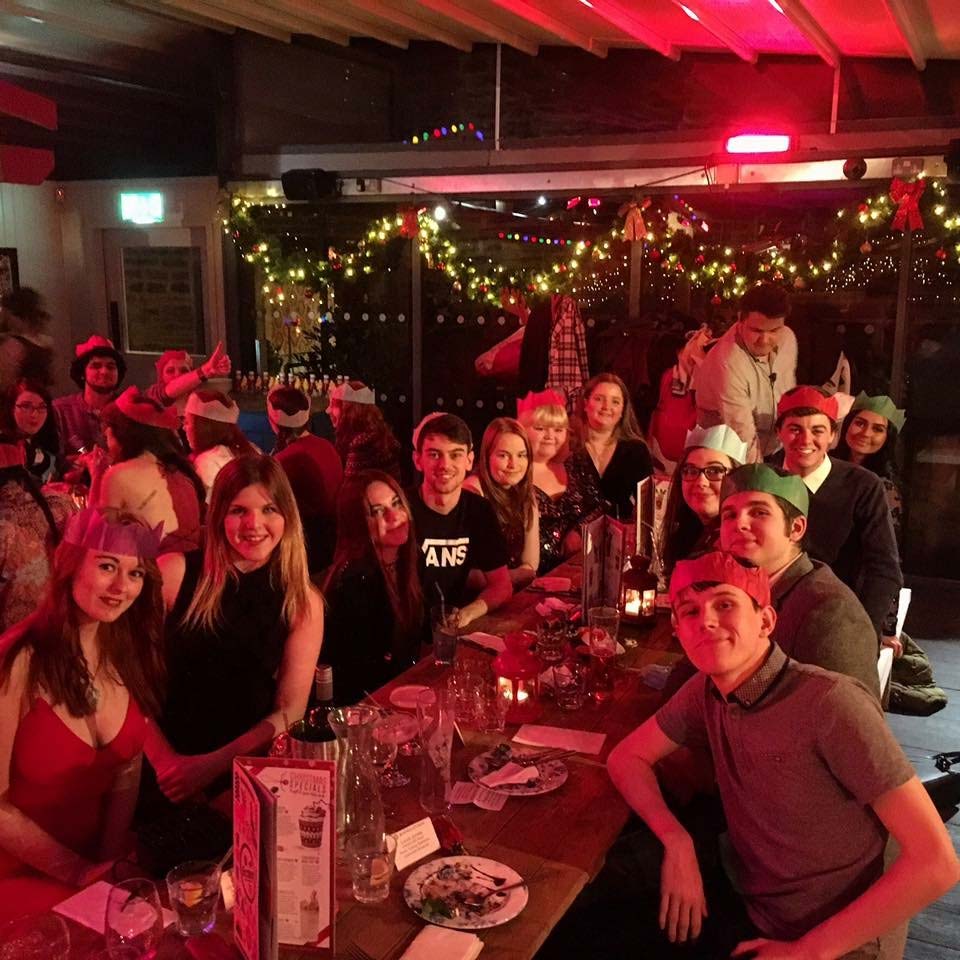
(557, 842)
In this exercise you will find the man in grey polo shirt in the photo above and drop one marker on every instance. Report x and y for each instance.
(811, 779)
(763, 519)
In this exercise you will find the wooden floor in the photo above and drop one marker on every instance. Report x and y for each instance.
(935, 933)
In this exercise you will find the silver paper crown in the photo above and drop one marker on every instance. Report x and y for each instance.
(722, 438)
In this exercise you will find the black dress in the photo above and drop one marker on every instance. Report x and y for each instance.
(223, 682)
(362, 640)
(559, 515)
(629, 465)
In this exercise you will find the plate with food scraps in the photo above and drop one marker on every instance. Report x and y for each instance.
(405, 697)
(545, 776)
(464, 892)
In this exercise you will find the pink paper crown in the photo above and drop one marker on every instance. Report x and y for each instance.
(91, 529)
(345, 393)
(809, 397)
(719, 567)
(545, 398)
(96, 342)
(142, 410)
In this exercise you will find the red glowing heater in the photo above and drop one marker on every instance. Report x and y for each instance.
(758, 143)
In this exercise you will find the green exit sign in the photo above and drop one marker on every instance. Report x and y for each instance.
(141, 207)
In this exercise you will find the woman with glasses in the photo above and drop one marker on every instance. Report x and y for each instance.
(25, 418)
(691, 521)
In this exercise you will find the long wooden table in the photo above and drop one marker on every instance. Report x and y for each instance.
(557, 841)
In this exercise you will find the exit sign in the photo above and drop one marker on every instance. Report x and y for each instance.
(141, 207)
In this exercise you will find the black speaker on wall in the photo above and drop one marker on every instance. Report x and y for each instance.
(310, 185)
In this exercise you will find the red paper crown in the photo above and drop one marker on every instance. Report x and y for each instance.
(172, 356)
(96, 342)
(545, 398)
(143, 410)
(91, 529)
(719, 567)
(809, 397)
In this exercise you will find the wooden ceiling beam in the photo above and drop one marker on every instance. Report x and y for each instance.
(481, 25)
(625, 20)
(157, 8)
(334, 20)
(716, 25)
(816, 36)
(275, 16)
(93, 26)
(536, 16)
(234, 19)
(906, 14)
(386, 12)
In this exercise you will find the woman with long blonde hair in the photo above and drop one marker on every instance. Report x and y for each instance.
(243, 632)
(504, 476)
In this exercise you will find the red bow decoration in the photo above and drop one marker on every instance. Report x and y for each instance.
(907, 198)
(410, 227)
(633, 226)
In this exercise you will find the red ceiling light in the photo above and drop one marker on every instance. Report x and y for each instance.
(758, 143)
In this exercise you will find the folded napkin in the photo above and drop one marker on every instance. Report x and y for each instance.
(542, 736)
(552, 584)
(488, 640)
(509, 773)
(552, 606)
(89, 907)
(434, 943)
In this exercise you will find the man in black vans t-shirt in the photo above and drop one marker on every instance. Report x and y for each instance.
(457, 531)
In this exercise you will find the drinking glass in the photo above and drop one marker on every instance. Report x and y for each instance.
(444, 632)
(194, 890)
(491, 708)
(436, 711)
(602, 638)
(371, 867)
(42, 936)
(389, 732)
(570, 683)
(133, 919)
(467, 680)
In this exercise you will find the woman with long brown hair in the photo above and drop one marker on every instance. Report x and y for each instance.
(243, 632)
(210, 423)
(77, 680)
(363, 439)
(504, 476)
(375, 621)
(611, 445)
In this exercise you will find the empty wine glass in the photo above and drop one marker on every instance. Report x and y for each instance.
(389, 732)
(134, 919)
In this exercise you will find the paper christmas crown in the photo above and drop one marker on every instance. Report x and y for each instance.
(809, 397)
(719, 567)
(91, 529)
(172, 356)
(722, 438)
(212, 409)
(418, 429)
(764, 479)
(142, 410)
(96, 342)
(281, 419)
(544, 398)
(346, 394)
(883, 406)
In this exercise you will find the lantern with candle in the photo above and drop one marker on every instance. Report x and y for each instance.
(638, 592)
(518, 677)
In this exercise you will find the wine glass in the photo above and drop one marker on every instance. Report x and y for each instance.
(389, 732)
(134, 919)
(42, 936)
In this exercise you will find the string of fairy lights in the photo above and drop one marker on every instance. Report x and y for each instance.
(299, 282)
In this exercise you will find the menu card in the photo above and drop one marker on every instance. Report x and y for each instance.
(284, 842)
(605, 542)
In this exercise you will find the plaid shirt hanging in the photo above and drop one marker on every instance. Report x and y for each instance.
(567, 369)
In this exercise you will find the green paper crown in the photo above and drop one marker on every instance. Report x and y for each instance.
(764, 479)
(883, 406)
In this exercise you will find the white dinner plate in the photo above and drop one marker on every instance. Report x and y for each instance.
(405, 697)
(544, 777)
(452, 878)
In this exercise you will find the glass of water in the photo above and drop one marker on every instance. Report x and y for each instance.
(371, 867)
(194, 889)
(134, 920)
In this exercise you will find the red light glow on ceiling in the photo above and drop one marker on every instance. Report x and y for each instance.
(758, 143)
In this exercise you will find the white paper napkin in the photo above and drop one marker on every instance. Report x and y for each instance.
(582, 741)
(433, 943)
(552, 606)
(89, 907)
(489, 640)
(509, 773)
